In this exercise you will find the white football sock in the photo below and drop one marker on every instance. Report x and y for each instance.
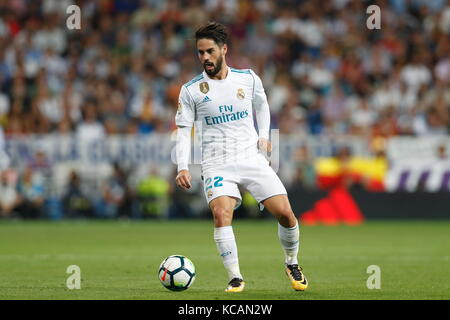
(289, 238)
(226, 245)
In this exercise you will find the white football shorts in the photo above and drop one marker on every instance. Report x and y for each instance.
(254, 174)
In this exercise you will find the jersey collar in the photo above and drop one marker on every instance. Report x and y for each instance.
(205, 75)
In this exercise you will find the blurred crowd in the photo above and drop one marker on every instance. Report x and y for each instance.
(324, 71)
(105, 191)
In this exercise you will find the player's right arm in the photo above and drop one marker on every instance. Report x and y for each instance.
(184, 119)
(183, 148)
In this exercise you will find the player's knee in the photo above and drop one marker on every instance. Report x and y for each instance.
(222, 216)
(286, 216)
(285, 211)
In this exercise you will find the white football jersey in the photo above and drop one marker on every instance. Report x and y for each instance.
(223, 115)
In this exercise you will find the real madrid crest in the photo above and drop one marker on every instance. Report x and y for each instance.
(240, 93)
(204, 87)
(210, 193)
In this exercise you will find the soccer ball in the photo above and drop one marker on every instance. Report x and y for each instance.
(176, 273)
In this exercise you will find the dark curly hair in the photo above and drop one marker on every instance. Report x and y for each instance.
(214, 31)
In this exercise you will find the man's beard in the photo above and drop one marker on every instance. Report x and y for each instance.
(216, 69)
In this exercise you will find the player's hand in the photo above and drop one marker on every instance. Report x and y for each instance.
(264, 145)
(183, 179)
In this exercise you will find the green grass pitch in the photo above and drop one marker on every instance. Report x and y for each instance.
(120, 260)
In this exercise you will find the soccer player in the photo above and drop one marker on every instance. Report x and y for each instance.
(220, 101)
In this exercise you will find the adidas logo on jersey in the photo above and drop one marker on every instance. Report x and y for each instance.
(206, 99)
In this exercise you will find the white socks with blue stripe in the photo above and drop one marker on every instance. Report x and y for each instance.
(226, 245)
(289, 238)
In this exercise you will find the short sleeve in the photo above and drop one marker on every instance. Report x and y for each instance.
(185, 116)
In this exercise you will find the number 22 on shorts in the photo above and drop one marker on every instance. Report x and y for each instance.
(210, 185)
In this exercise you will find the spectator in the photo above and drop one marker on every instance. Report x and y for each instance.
(51, 36)
(442, 70)
(114, 201)
(153, 196)
(9, 195)
(416, 73)
(315, 119)
(32, 191)
(90, 131)
(431, 122)
(115, 115)
(305, 173)
(76, 202)
(362, 118)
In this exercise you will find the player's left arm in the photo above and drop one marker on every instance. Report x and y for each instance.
(262, 114)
